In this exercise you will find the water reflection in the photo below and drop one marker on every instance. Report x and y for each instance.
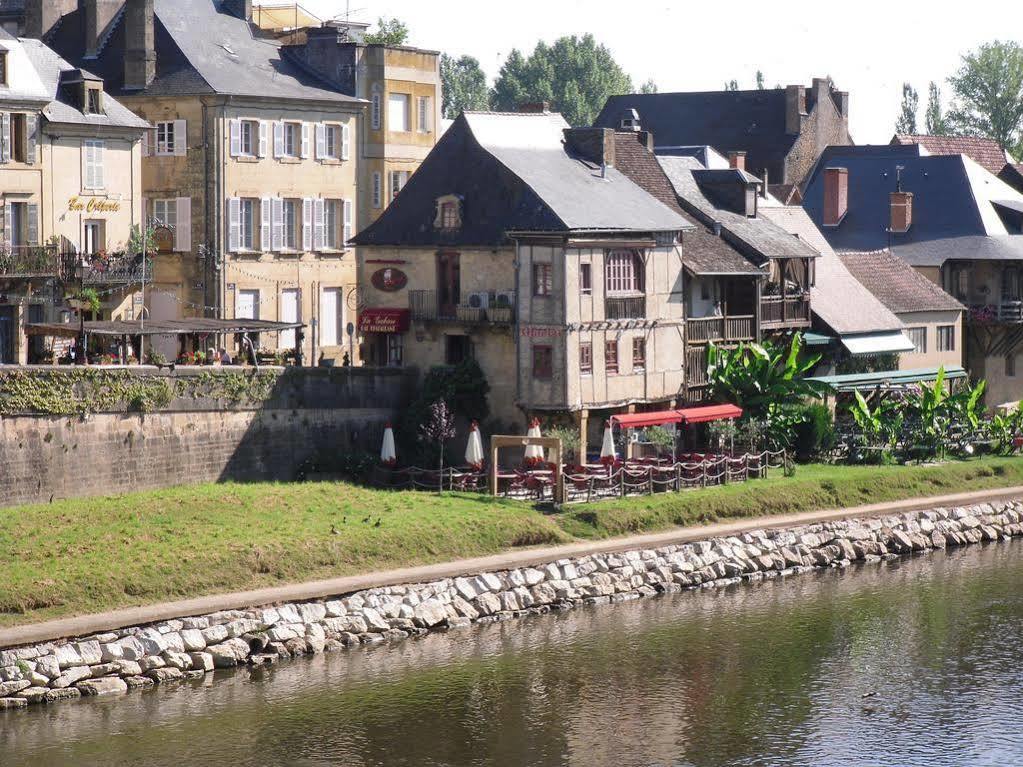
(908, 663)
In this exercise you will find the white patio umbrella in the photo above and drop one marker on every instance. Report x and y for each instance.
(387, 454)
(534, 453)
(474, 450)
(607, 447)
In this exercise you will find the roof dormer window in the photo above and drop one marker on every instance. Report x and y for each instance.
(93, 102)
(449, 213)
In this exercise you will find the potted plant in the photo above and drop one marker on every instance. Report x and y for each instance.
(86, 299)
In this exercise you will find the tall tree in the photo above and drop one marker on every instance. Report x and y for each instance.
(576, 75)
(648, 87)
(907, 113)
(760, 80)
(988, 90)
(934, 118)
(389, 32)
(732, 85)
(463, 84)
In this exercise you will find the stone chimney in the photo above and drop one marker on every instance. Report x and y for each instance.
(240, 8)
(330, 53)
(98, 16)
(41, 15)
(795, 109)
(836, 195)
(534, 107)
(630, 120)
(140, 44)
(596, 145)
(737, 160)
(842, 102)
(901, 211)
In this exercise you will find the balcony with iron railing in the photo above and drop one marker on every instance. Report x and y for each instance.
(706, 329)
(785, 311)
(1005, 312)
(29, 261)
(425, 306)
(625, 307)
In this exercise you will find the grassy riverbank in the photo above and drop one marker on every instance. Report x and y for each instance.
(81, 556)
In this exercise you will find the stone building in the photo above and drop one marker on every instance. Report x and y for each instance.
(253, 162)
(520, 243)
(70, 180)
(782, 130)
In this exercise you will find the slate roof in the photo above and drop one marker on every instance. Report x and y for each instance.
(985, 152)
(200, 49)
(702, 251)
(1012, 174)
(513, 174)
(969, 248)
(837, 298)
(758, 238)
(952, 197)
(897, 284)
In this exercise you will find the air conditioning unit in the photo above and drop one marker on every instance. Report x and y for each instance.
(479, 300)
(504, 298)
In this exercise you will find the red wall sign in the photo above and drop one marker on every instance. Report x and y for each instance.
(541, 331)
(384, 320)
(389, 280)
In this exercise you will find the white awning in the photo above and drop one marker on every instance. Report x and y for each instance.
(878, 343)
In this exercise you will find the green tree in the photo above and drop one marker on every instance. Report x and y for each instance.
(576, 75)
(934, 118)
(463, 84)
(389, 32)
(760, 80)
(907, 112)
(732, 85)
(988, 90)
(648, 87)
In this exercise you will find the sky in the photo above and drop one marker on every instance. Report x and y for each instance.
(868, 48)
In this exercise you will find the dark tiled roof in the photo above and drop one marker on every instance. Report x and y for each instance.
(702, 251)
(898, 285)
(984, 151)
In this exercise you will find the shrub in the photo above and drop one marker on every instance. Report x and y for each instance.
(815, 433)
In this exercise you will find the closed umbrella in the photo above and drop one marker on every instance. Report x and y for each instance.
(387, 455)
(474, 450)
(607, 447)
(534, 453)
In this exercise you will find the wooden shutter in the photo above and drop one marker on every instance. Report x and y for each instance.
(8, 218)
(305, 141)
(33, 224)
(31, 138)
(321, 141)
(264, 131)
(424, 114)
(236, 138)
(278, 138)
(378, 192)
(183, 230)
(307, 224)
(5, 137)
(319, 231)
(234, 223)
(347, 205)
(264, 224)
(180, 138)
(277, 223)
(346, 140)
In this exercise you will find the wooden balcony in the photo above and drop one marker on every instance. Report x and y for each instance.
(425, 307)
(785, 311)
(696, 366)
(625, 308)
(705, 329)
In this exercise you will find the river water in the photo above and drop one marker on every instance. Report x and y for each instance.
(915, 662)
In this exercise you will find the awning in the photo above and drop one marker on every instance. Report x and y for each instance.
(878, 343)
(710, 413)
(816, 339)
(642, 420)
(887, 378)
(191, 326)
(384, 320)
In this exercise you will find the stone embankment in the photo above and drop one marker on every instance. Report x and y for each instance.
(163, 653)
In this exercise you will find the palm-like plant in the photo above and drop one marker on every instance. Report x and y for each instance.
(880, 425)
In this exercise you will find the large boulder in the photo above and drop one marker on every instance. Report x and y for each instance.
(108, 685)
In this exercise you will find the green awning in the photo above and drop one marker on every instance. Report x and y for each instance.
(887, 378)
(817, 339)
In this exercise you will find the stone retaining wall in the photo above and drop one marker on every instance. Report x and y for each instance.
(143, 656)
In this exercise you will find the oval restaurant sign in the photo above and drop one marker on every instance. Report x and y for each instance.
(389, 280)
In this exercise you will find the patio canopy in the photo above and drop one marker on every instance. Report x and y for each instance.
(686, 415)
(887, 378)
(195, 325)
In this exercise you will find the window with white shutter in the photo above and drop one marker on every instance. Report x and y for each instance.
(278, 139)
(183, 232)
(333, 216)
(321, 141)
(319, 239)
(247, 224)
(92, 162)
(264, 130)
(398, 181)
(307, 224)
(305, 141)
(378, 192)
(376, 107)
(277, 223)
(180, 138)
(234, 224)
(165, 213)
(348, 221)
(330, 317)
(5, 137)
(423, 109)
(165, 133)
(265, 243)
(31, 138)
(32, 234)
(236, 138)
(289, 313)
(346, 141)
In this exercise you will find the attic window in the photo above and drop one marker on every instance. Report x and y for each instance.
(93, 100)
(3, 68)
(449, 213)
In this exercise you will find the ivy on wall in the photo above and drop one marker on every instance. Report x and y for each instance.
(76, 391)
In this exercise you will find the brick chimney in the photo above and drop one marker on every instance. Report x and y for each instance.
(596, 145)
(901, 211)
(98, 16)
(41, 15)
(534, 107)
(795, 108)
(737, 160)
(140, 44)
(836, 195)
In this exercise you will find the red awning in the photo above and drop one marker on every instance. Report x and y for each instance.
(384, 320)
(709, 413)
(641, 420)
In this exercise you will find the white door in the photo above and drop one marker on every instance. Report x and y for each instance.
(289, 313)
(247, 304)
(163, 306)
(330, 317)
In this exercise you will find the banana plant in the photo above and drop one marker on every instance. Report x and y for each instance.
(880, 425)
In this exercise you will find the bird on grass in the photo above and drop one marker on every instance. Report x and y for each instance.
(377, 524)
